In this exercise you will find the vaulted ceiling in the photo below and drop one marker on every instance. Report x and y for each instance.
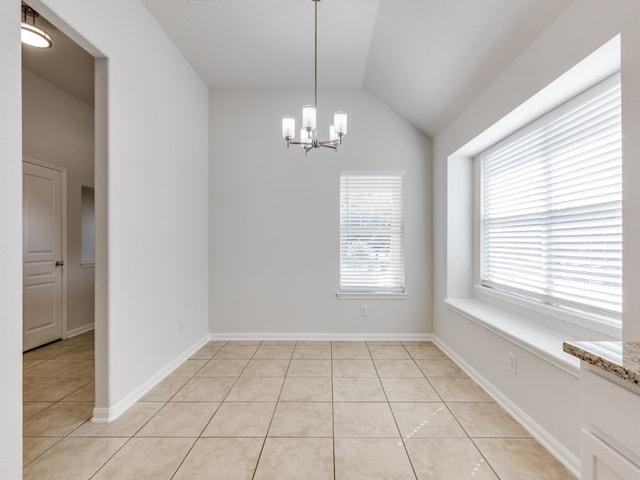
(426, 59)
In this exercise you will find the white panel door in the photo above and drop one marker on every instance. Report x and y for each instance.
(42, 255)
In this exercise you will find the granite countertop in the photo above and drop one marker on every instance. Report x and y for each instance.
(621, 359)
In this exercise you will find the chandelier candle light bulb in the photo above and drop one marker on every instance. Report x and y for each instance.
(308, 132)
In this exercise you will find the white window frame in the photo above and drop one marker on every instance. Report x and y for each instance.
(398, 292)
(515, 303)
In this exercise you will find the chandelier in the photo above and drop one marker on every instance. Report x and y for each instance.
(308, 132)
(29, 33)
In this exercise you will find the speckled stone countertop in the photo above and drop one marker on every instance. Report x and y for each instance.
(623, 360)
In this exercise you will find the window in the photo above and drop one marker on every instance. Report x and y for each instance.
(372, 234)
(87, 227)
(551, 214)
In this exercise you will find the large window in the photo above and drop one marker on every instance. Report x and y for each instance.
(551, 214)
(372, 233)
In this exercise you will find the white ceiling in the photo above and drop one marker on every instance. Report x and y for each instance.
(426, 59)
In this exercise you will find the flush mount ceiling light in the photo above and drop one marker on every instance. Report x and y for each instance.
(29, 33)
(308, 132)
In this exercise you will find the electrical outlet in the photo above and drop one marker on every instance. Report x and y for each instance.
(180, 328)
(363, 310)
(513, 363)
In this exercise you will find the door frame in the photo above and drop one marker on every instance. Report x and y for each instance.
(63, 232)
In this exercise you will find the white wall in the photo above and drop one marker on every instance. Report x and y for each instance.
(548, 395)
(152, 167)
(10, 243)
(57, 128)
(274, 216)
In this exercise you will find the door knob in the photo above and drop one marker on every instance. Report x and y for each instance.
(59, 263)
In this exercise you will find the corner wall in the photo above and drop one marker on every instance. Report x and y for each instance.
(152, 167)
(549, 396)
(10, 243)
(274, 217)
(57, 128)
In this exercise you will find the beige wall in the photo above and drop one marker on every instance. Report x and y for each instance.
(57, 128)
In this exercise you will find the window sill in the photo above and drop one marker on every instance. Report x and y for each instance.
(371, 296)
(536, 339)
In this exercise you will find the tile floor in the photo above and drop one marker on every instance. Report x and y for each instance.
(278, 411)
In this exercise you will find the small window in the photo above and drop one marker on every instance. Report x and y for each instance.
(551, 213)
(372, 234)
(87, 227)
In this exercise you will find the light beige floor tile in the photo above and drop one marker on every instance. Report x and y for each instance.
(235, 352)
(206, 352)
(398, 368)
(72, 458)
(313, 343)
(388, 352)
(353, 368)
(459, 390)
(383, 343)
(221, 459)
(426, 420)
(448, 459)
(177, 419)
(49, 352)
(296, 459)
(241, 419)
(363, 420)
(440, 368)
(349, 352)
(255, 390)
(29, 409)
(372, 459)
(48, 368)
(349, 343)
(297, 389)
(146, 459)
(310, 368)
(409, 390)
(204, 389)
(278, 343)
(189, 368)
(266, 368)
(84, 394)
(243, 343)
(417, 343)
(312, 353)
(422, 352)
(521, 459)
(358, 390)
(274, 352)
(126, 426)
(80, 369)
(486, 420)
(33, 447)
(55, 389)
(31, 382)
(223, 368)
(302, 419)
(166, 389)
(58, 420)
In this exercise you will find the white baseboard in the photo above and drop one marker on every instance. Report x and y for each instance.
(107, 415)
(548, 441)
(79, 331)
(321, 336)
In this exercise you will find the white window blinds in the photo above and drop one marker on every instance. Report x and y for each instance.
(371, 233)
(552, 207)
